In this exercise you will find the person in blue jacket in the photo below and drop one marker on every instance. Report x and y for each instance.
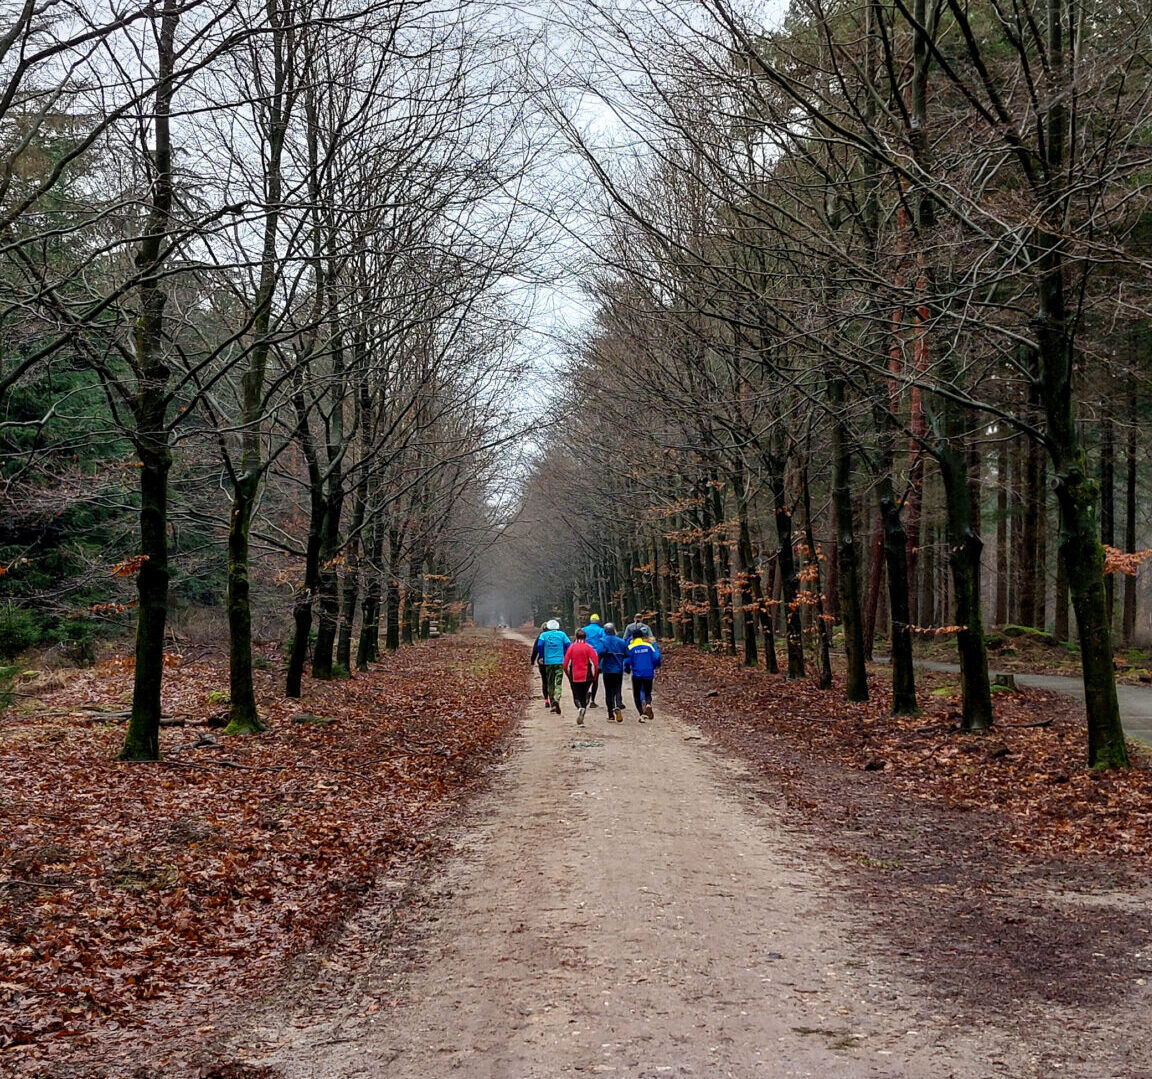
(614, 653)
(642, 661)
(594, 635)
(554, 642)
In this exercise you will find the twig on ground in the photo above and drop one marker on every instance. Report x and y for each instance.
(10, 883)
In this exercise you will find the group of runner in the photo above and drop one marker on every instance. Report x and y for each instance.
(597, 651)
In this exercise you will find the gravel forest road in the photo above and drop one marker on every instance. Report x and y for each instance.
(625, 902)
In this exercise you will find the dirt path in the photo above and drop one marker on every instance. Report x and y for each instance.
(624, 904)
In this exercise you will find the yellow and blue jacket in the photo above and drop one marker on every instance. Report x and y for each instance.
(643, 658)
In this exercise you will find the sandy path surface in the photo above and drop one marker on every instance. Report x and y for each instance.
(623, 903)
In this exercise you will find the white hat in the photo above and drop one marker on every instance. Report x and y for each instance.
(553, 624)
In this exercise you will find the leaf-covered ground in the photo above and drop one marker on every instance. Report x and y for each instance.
(143, 900)
(1028, 771)
(997, 865)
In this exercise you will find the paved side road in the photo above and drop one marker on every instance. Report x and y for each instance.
(1135, 701)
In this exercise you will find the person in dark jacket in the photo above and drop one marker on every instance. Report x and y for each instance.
(612, 656)
(636, 628)
(538, 658)
(642, 662)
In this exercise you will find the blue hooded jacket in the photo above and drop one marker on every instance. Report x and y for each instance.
(614, 653)
(554, 643)
(643, 658)
(594, 634)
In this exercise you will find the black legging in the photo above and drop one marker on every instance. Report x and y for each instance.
(613, 697)
(641, 691)
(543, 679)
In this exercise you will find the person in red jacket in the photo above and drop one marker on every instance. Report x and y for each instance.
(581, 666)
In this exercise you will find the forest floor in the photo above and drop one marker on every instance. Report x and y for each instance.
(763, 882)
(140, 903)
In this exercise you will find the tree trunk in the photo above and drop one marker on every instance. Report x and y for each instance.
(413, 601)
(771, 663)
(975, 462)
(964, 557)
(670, 590)
(727, 612)
(150, 415)
(328, 589)
(823, 624)
(1107, 500)
(1002, 568)
(1061, 627)
(1020, 568)
(302, 607)
(1084, 559)
(686, 632)
(368, 643)
(895, 557)
(1076, 495)
(1041, 557)
(606, 612)
(915, 500)
(392, 601)
(789, 578)
(745, 567)
(350, 596)
(699, 594)
(710, 576)
(243, 715)
(368, 648)
(928, 575)
(629, 598)
(848, 568)
(1129, 624)
(410, 615)
(142, 741)
(875, 579)
(1033, 511)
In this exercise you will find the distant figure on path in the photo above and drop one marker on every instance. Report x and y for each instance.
(582, 666)
(595, 634)
(642, 661)
(554, 642)
(612, 658)
(538, 658)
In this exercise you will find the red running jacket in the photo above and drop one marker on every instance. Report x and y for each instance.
(580, 662)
